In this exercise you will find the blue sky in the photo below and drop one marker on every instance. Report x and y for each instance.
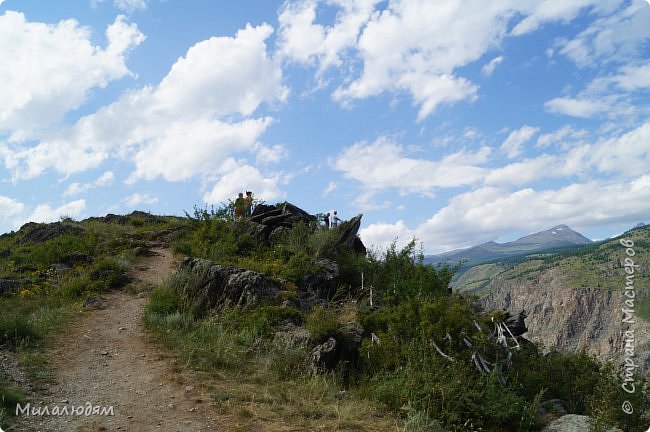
(455, 122)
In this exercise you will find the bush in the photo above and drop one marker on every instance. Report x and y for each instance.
(16, 330)
(9, 398)
(265, 320)
(323, 324)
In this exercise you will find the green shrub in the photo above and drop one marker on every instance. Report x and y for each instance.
(265, 320)
(16, 330)
(9, 398)
(164, 300)
(323, 324)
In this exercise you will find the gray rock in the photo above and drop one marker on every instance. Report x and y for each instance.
(94, 302)
(291, 336)
(262, 211)
(323, 357)
(297, 214)
(349, 230)
(39, 233)
(212, 285)
(259, 232)
(550, 410)
(573, 423)
(60, 268)
(276, 234)
(7, 285)
(325, 283)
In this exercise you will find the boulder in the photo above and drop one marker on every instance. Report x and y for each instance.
(324, 283)
(263, 210)
(349, 238)
(323, 357)
(358, 247)
(573, 423)
(516, 325)
(40, 233)
(550, 410)
(297, 214)
(276, 234)
(7, 285)
(94, 302)
(259, 232)
(276, 220)
(291, 336)
(78, 258)
(212, 285)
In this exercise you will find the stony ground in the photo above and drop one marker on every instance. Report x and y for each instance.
(105, 359)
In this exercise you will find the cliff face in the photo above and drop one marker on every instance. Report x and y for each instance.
(571, 319)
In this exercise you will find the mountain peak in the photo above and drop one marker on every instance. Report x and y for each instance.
(559, 234)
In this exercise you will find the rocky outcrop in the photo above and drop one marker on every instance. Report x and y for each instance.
(267, 222)
(324, 357)
(7, 285)
(323, 284)
(208, 286)
(349, 234)
(39, 233)
(135, 217)
(571, 320)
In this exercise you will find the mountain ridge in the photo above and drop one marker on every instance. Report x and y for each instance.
(556, 237)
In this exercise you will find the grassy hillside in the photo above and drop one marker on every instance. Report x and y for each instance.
(418, 357)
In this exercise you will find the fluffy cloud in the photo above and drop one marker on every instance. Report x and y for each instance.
(10, 210)
(53, 67)
(379, 236)
(77, 188)
(180, 128)
(45, 213)
(302, 40)
(576, 107)
(186, 149)
(413, 46)
(385, 166)
(137, 199)
(243, 178)
(618, 37)
(512, 145)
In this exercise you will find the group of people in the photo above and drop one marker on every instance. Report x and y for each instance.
(331, 220)
(244, 206)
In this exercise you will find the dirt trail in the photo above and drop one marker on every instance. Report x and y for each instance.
(105, 359)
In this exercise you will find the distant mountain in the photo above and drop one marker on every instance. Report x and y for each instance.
(556, 237)
(571, 295)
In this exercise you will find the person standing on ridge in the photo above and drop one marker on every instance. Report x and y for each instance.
(335, 220)
(240, 207)
(326, 219)
(249, 203)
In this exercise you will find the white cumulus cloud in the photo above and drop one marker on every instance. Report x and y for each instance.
(179, 129)
(385, 166)
(241, 179)
(137, 199)
(77, 188)
(380, 236)
(53, 67)
(46, 213)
